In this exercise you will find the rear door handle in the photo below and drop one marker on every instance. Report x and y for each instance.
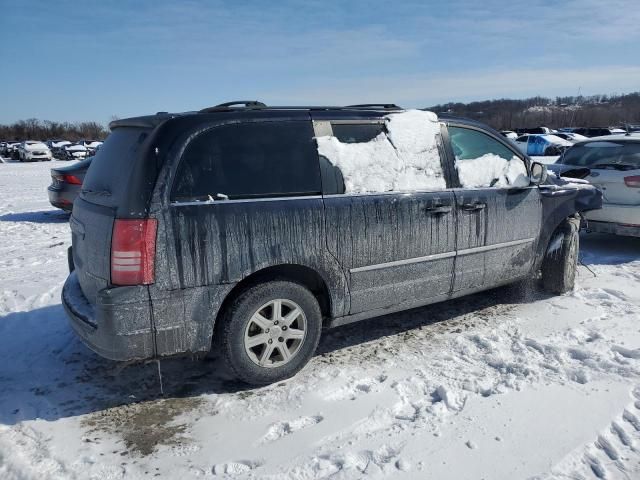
(473, 207)
(438, 209)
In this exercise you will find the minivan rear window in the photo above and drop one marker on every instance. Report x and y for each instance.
(111, 167)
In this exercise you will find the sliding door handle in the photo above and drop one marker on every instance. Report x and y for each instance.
(438, 209)
(473, 207)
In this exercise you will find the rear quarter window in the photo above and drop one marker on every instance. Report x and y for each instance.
(107, 179)
(249, 160)
(357, 132)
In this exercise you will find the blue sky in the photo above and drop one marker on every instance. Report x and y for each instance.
(89, 60)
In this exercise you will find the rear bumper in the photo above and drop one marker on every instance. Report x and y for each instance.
(614, 228)
(60, 198)
(117, 327)
(614, 213)
(29, 157)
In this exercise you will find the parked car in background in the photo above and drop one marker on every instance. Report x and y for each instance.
(56, 147)
(33, 151)
(74, 151)
(544, 145)
(614, 167)
(534, 130)
(90, 145)
(245, 225)
(11, 150)
(597, 131)
(511, 135)
(66, 183)
(570, 136)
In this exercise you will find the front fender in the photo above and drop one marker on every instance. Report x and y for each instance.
(560, 204)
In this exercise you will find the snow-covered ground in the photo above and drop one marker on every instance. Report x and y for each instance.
(507, 384)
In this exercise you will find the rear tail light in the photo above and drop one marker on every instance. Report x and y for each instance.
(133, 251)
(633, 181)
(66, 178)
(72, 179)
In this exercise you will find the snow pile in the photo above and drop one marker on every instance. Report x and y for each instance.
(490, 170)
(404, 158)
(365, 167)
(450, 398)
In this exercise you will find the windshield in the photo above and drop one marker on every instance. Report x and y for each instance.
(603, 153)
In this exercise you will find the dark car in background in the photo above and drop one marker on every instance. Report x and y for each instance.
(66, 183)
(228, 225)
(73, 151)
(56, 146)
(91, 145)
(597, 131)
(10, 149)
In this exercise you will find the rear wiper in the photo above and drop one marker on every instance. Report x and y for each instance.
(616, 166)
(104, 193)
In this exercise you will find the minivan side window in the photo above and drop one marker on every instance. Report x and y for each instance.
(483, 161)
(249, 160)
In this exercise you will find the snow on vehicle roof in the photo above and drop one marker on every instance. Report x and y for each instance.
(555, 139)
(627, 138)
(403, 158)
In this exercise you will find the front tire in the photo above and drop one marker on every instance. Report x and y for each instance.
(270, 331)
(561, 259)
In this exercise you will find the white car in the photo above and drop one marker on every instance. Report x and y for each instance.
(33, 151)
(542, 144)
(571, 137)
(74, 151)
(510, 134)
(614, 163)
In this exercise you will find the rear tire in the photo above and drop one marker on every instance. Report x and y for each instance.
(270, 332)
(561, 259)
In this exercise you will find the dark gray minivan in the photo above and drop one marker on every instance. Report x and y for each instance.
(226, 227)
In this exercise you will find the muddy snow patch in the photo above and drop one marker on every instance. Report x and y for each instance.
(145, 426)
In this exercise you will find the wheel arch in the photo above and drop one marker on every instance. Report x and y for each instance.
(305, 276)
(559, 226)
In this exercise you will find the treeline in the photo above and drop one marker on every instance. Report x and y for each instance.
(572, 111)
(503, 114)
(34, 129)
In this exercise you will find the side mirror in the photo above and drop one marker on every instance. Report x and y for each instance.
(538, 173)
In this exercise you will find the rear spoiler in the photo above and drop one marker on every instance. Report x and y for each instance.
(147, 121)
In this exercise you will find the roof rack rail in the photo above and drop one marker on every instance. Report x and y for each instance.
(235, 103)
(390, 106)
(256, 105)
